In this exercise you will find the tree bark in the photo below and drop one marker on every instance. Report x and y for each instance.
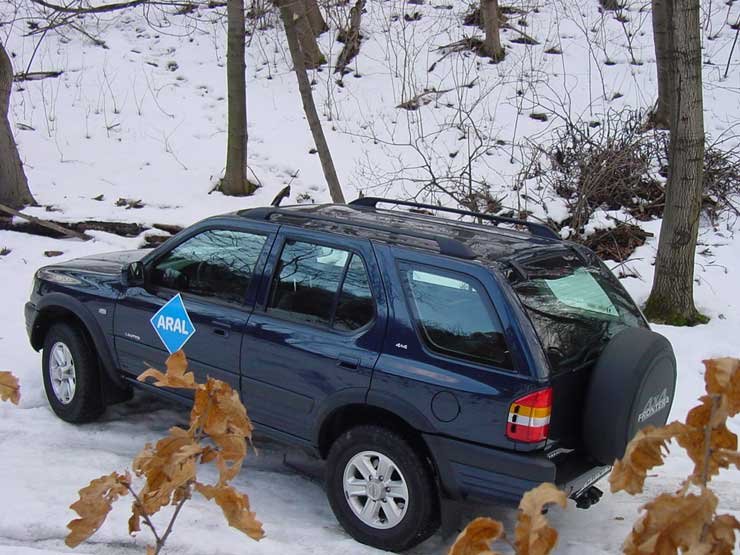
(350, 37)
(315, 19)
(672, 296)
(490, 15)
(290, 19)
(312, 56)
(14, 191)
(235, 177)
(663, 39)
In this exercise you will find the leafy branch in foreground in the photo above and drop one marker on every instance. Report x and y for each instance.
(532, 535)
(687, 519)
(218, 433)
(10, 390)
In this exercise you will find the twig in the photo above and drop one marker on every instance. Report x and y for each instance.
(93, 9)
(147, 520)
(732, 50)
(178, 508)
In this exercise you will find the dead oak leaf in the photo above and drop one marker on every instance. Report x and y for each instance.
(719, 538)
(9, 388)
(95, 502)
(672, 523)
(533, 534)
(235, 507)
(694, 438)
(477, 537)
(722, 377)
(177, 374)
(645, 451)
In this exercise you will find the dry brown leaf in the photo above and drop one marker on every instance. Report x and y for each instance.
(95, 502)
(671, 522)
(693, 440)
(166, 467)
(722, 377)
(477, 537)
(176, 376)
(533, 534)
(235, 507)
(645, 451)
(150, 550)
(719, 538)
(9, 388)
(219, 412)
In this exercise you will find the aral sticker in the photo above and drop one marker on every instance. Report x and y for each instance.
(173, 325)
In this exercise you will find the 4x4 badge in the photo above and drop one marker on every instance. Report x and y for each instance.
(402, 346)
(655, 404)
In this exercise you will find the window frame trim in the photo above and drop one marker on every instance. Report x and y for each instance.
(155, 257)
(421, 335)
(267, 310)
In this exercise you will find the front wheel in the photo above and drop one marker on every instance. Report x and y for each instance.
(381, 490)
(71, 375)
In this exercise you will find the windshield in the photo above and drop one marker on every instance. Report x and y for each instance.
(575, 308)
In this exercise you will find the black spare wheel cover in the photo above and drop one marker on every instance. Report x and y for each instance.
(632, 386)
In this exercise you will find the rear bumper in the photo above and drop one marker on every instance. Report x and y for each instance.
(469, 471)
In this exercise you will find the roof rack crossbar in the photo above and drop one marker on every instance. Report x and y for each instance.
(447, 246)
(540, 230)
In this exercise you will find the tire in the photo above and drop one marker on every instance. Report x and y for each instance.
(632, 386)
(420, 516)
(77, 397)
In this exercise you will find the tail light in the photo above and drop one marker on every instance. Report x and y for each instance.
(529, 417)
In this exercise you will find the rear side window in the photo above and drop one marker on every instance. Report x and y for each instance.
(322, 285)
(216, 263)
(455, 316)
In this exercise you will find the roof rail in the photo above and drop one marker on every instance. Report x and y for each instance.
(447, 246)
(540, 230)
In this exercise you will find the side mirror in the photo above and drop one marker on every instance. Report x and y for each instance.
(133, 274)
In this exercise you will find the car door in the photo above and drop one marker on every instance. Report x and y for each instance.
(316, 332)
(216, 270)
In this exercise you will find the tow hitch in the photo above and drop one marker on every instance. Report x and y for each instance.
(587, 497)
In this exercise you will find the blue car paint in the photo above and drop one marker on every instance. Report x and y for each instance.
(293, 376)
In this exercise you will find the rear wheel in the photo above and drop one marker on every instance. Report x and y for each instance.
(381, 490)
(71, 375)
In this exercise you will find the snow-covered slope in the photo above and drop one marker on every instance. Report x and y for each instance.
(145, 119)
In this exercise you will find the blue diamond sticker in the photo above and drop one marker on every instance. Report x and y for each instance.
(173, 325)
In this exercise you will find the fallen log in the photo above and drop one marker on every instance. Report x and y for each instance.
(53, 226)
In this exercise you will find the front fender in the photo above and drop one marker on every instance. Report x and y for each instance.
(53, 303)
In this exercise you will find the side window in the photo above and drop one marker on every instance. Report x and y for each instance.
(455, 317)
(322, 285)
(355, 307)
(216, 263)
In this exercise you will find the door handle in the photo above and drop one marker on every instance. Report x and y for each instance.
(348, 363)
(221, 327)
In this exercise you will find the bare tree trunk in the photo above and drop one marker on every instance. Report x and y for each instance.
(663, 39)
(315, 19)
(290, 19)
(14, 190)
(672, 297)
(350, 37)
(490, 15)
(235, 180)
(305, 34)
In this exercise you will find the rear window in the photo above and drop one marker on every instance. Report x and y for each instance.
(574, 307)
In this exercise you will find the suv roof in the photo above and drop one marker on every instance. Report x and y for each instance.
(419, 229)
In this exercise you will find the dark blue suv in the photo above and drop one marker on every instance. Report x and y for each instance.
(423, 357)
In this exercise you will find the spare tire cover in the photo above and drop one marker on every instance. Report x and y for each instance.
(632, 386)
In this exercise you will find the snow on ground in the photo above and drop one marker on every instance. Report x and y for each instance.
(145, 119)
